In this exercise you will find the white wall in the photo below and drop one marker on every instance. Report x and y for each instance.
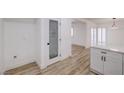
(27, 39)
(114, 37)
(1, 48)
(44, 29)
(0, 43)
(19, 40)
(65, 37)
(38, 41)
(88, 35)
(80, 31)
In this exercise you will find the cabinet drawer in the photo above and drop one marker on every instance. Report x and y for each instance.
(107, 53)
(98, 51)
(114, 55)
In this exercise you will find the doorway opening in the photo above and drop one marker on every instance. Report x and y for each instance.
(78, 36)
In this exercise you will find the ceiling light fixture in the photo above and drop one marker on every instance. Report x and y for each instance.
(114, 25)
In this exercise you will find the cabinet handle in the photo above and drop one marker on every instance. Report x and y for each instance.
(102, 58)
(103, 52)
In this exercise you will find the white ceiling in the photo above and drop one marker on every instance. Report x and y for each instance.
(103, 20)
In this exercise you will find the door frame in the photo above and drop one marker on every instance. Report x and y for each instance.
(58, 58)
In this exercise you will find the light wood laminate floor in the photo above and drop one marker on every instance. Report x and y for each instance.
(77, 64)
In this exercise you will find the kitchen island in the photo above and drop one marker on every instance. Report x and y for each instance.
(107, 59)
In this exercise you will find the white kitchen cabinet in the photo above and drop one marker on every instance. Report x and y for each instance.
(106, 62)
(123, 66)
(112, 66)
(96, 61)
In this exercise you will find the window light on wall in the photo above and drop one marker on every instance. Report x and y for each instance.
(98, 36)
(93, 36)
(72, 32)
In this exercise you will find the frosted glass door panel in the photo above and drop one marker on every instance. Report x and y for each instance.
(53, 39)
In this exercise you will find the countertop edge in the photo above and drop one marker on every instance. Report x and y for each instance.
(122, 52)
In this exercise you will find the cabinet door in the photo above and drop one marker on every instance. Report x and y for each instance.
(123, 64)
(112, 66)
(96, 61)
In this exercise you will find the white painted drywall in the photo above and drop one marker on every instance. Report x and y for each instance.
(1, 47)
(27, 39)
(19, 40)
(44, 29)
(88, 35)
(38, 41)
(114, 37)
(0, 43)
(65, 37)
(79, 35)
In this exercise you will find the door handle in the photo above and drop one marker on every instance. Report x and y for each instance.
(48, 43)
